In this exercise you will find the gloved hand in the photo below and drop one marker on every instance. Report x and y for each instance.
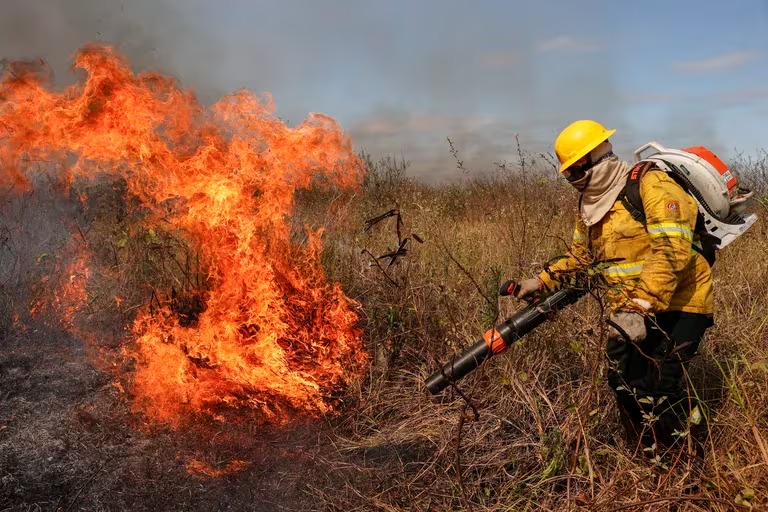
(521, 289)
(631, 322)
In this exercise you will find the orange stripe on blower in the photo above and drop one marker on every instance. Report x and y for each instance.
(495, 341)
(719, 165)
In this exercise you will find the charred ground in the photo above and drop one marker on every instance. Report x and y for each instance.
(69, 441)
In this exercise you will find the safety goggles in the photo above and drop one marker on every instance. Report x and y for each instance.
(577, 172)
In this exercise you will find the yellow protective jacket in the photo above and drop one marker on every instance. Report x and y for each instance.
(657, 260)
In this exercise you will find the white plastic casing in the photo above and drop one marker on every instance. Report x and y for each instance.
(728, 222)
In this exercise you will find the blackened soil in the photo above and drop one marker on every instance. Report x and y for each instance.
(69, 441)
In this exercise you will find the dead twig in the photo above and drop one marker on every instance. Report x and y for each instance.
(394, 255)
(455, 153)
(376, 261)
(401, 251)
(474, 282)
(459, 392)
(372, 222)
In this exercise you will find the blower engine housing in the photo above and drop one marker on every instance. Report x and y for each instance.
(716, 190)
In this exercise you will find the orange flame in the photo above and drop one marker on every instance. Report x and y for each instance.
(275, 336)
(71, 282)
(202, 469)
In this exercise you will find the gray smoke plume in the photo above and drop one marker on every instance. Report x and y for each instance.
(52, 30)
(150, 33)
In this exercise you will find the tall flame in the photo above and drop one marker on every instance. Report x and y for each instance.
(275, 336)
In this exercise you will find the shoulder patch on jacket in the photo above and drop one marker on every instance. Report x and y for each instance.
(672, 209)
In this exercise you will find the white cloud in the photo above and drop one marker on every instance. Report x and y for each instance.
(567, 44)
(658, 98)
(723, 62)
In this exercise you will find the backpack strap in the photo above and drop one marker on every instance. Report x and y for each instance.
(630, 195)
(707, 246)
(630, 198)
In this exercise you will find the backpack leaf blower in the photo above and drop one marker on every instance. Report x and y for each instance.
(501, 337)
(708, 179)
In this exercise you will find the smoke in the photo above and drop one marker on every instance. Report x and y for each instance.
(52, 30)
(489, 82)
(152, 34)
(533, 104)
(692, 125)
(361, 63)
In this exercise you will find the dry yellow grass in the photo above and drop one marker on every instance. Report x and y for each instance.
(547, 436)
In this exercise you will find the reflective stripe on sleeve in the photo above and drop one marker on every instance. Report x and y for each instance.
(670, 230)
(629, 269)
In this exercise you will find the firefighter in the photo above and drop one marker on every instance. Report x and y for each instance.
(659, 285)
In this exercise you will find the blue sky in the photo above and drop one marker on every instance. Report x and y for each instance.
(402, 76)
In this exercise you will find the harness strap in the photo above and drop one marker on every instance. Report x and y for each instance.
(630, 194)
(631, 200)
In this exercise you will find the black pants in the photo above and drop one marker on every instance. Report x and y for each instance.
(649, 378)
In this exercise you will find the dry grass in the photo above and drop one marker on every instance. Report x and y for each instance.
(547, 436)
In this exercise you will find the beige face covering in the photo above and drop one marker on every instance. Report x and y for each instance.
(600, 187)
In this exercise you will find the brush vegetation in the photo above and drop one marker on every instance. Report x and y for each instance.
(545, 435)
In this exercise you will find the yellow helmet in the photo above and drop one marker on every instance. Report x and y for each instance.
(578, 139)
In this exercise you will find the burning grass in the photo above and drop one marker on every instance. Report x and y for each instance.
(254, 324)
(74, 429)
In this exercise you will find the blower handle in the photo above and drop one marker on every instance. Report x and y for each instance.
(651, 145)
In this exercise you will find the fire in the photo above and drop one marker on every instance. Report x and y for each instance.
(71, 282)
(202, 469)
(274, 336)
